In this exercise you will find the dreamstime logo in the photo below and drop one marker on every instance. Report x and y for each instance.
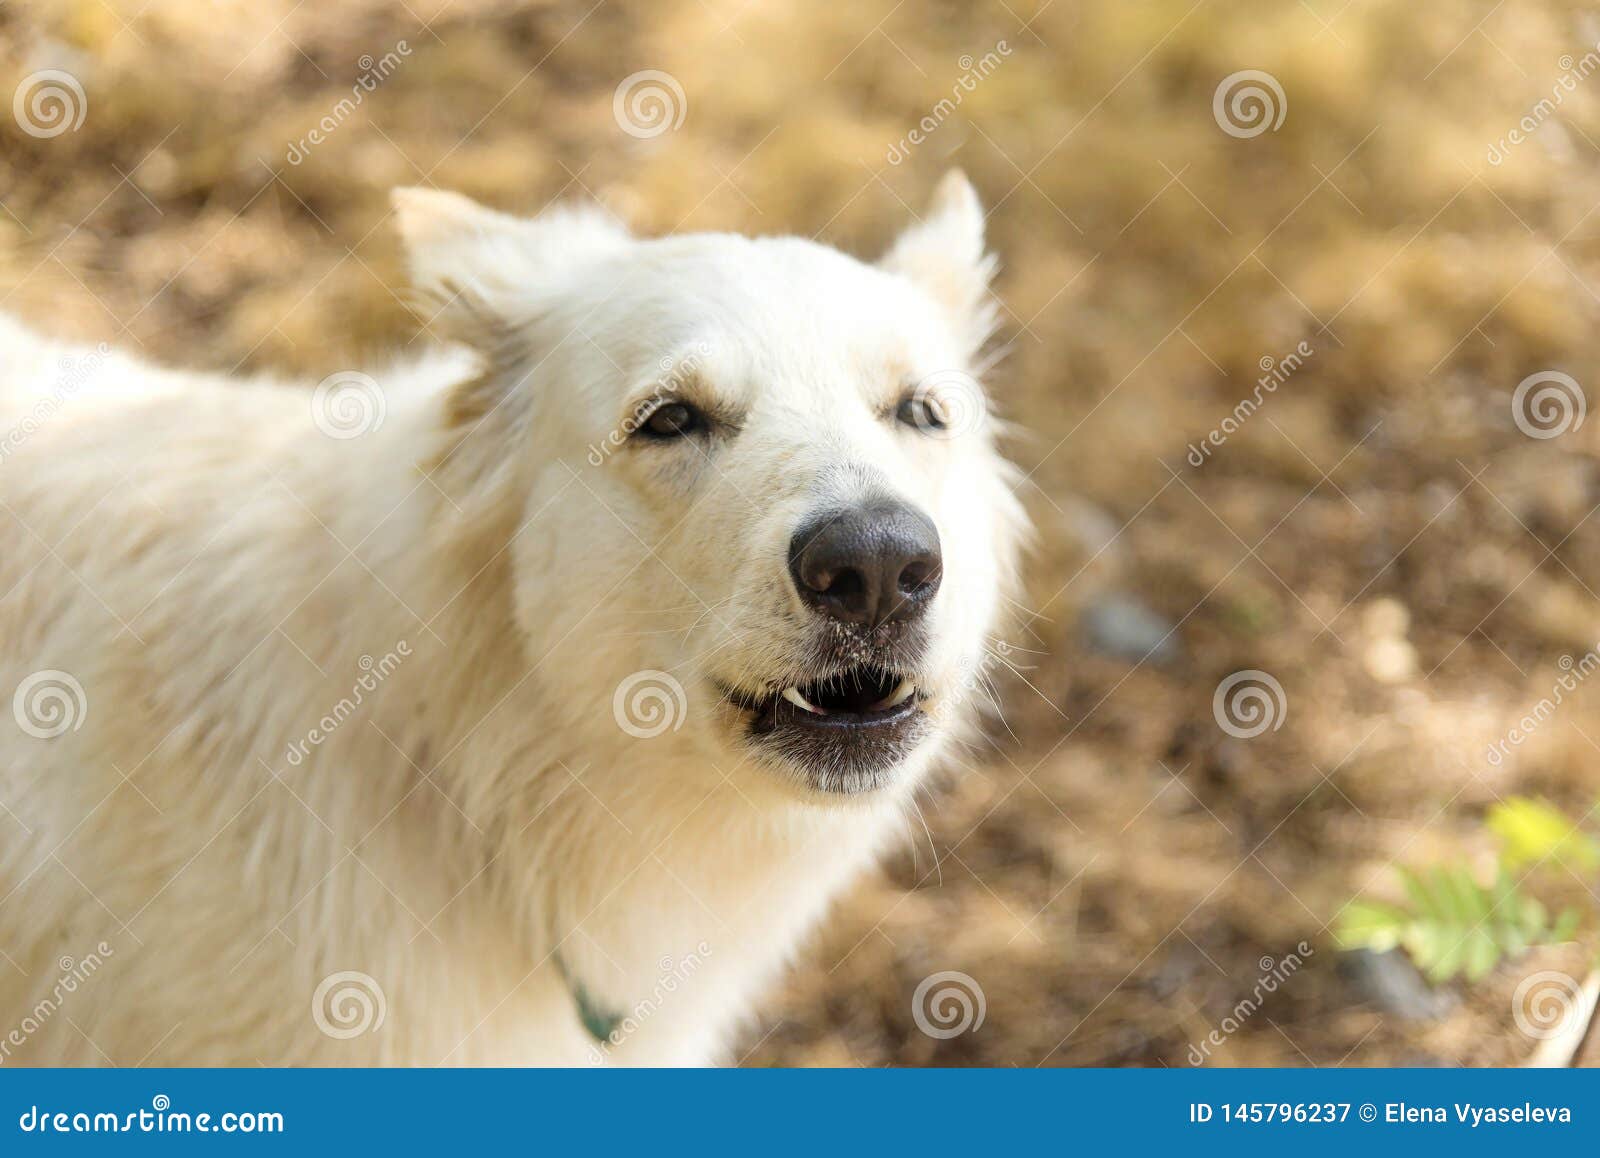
(1546, 1004)
(348, 1004)
(373, 73)
(649, 103)
(972, 72)
(49, 103)
(348, 404)
(675, 372)
(1572, 72)
(1274, 973)
(648, 703)
(1274, 373)
(1574, 672)
(1548, 404)
(973, 676)
(1248, 103)
(673, 975)
(948, 404)
(48, 703)
(75, 372)
(1249, 702)
(373, 673)
(73, 974)
(948, 1004)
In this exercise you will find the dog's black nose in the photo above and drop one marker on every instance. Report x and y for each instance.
(873, 564)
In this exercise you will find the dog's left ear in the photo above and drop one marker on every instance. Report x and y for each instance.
(944, 254)
(486, 277)
(480, 267)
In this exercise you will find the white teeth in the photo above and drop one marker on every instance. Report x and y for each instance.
(794, 697)
(899, 696)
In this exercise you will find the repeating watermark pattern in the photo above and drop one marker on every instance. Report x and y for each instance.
(1274, 373)
(949, 404)
(1548, 404)
(974, 673)
(73, 973)
(49, 703)
(675, 373)
(649, 103)
(74, 373)
(374, 672)
(1546, 1004)
(1249, 702)
(373, 74)
(948, 1004)
(648, 703)
(348, 404)
(48, 103)
(1274, 973)
(1249, 102)
(1572, 72)
(973, 72)
(349, 1004)
(1575, 672)
(673, 976)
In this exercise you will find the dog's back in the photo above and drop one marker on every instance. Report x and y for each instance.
(164, 632)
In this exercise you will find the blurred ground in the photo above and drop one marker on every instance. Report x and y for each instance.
(1379, 536)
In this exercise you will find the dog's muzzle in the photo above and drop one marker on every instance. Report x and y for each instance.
(866, 576)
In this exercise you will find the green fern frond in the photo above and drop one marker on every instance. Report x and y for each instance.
(1453, 925)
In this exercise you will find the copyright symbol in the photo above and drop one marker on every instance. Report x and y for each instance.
(1368, 1112)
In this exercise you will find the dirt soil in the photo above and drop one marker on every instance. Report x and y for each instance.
(1113, 870)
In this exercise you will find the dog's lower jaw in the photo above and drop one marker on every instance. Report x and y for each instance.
(830, 753)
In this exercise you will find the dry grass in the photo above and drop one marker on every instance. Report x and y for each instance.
(1379, 536)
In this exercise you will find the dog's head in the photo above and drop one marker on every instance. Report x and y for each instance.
(750, 485)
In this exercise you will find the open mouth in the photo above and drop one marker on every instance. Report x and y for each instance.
(863, 696)
(845, 732)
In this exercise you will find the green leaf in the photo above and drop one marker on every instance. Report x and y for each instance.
(1455, 926)
(1483, 954)
(1566, 925)
(1370, 925)
(1422, 899)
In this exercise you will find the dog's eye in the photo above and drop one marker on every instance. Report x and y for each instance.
(922, 412)
(672, 420)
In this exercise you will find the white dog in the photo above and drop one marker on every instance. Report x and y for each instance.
(523, 704)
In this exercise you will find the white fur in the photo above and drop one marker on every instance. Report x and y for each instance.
(480, 836)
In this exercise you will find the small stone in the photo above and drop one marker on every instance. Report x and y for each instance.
(1392, 983)
(1121, 626)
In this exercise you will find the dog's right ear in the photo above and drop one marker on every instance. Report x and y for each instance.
(485, 277)
(482, 270)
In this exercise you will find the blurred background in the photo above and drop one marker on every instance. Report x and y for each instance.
(1272, 274)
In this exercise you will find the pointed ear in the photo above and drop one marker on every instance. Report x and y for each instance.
(485, 277)
(944, 254)
(478, 266)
